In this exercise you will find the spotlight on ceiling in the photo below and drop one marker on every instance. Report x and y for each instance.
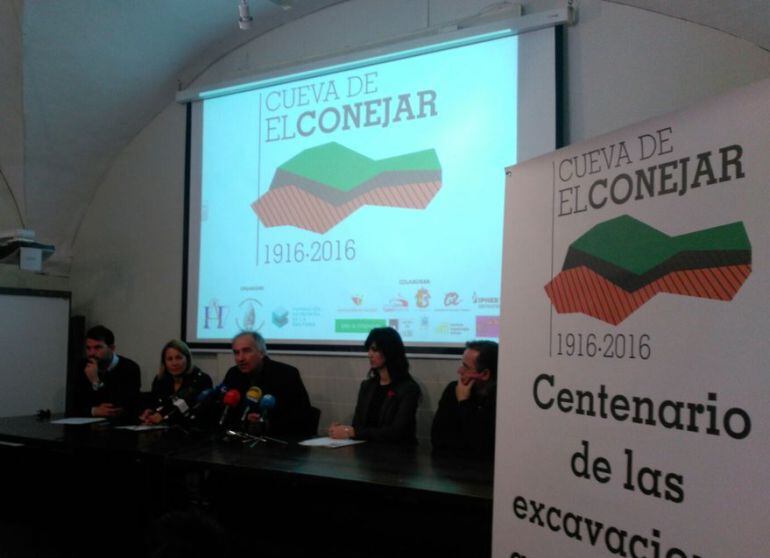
(244, 17)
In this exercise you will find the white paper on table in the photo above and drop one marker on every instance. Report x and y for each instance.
(142, 427)
(326, 442)
(78, 420)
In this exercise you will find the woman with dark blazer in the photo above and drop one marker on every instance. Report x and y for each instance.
(387, 400)
(177, 379)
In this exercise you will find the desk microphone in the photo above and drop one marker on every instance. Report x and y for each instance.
(265, 404)
(204, 398)
(230, 399)
(253, 397)
(179, 406)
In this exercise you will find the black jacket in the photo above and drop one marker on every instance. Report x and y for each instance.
(291, 415)
(465, 427)
(397, 421)
(193, 383)
(121, 388)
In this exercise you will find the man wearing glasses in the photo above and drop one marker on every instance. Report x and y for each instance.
(464, 423)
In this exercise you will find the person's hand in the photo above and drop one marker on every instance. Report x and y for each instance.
(92, 370)
(463, 390)
(106, 410)
(150, 417)
(341, 431)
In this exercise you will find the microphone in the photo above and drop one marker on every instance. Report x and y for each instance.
(231, 399)
(253, 396)
(179, 406)
(265, 404)
(205, 398)
(185, 402)
(201, 399)
(204, 395)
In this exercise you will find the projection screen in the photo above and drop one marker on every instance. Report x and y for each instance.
(368, 191)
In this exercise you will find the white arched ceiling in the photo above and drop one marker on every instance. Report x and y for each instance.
(746, 19)
(96, 73)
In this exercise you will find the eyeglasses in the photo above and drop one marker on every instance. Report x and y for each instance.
(466, 367)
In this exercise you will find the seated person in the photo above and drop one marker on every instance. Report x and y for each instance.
(464, 423)
(109, 385)
(387, 400)
(178, 378)
(291, 414)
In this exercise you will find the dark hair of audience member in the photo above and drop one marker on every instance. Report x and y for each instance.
(487, 357)
(389, 343)
(101, 333)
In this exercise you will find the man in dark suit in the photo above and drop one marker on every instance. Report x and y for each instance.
(253, 368)
(464, 423)
(109, 385)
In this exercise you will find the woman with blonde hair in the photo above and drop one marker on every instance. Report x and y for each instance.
(178, 380)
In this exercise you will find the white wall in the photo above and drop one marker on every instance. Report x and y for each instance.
(12, 202)
(127, 273)
(623, 65)
(11, 120)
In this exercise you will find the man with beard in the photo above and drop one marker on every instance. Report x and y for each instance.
(109, 384)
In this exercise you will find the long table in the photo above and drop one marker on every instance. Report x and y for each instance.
(362, 500)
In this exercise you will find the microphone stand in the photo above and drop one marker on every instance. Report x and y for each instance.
(251, 439)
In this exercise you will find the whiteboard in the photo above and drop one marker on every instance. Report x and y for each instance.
(34, 332)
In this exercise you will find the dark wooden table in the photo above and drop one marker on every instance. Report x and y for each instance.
(362, 500)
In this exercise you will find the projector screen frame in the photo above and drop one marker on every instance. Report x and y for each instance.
(428, 41)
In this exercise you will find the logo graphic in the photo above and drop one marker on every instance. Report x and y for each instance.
(488, 326)
(451, 299)
(214, 314)
(250, 315)
(397, 303)
(357, 325)
(322, 185)
(422, 298)
(617, 266)
(280, 317)
(486, 301)
(358, 300)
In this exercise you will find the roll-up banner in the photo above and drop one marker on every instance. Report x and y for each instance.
(634, 389)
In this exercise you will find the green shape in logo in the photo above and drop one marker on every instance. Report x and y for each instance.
(357, 325)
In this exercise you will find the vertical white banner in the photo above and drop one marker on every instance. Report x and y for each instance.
(634, 390)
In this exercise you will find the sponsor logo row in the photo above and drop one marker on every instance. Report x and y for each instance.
(250, 314)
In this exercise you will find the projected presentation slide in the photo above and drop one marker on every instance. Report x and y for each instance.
(363, 198)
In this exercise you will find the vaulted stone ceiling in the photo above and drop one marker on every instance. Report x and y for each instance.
(95, 73)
